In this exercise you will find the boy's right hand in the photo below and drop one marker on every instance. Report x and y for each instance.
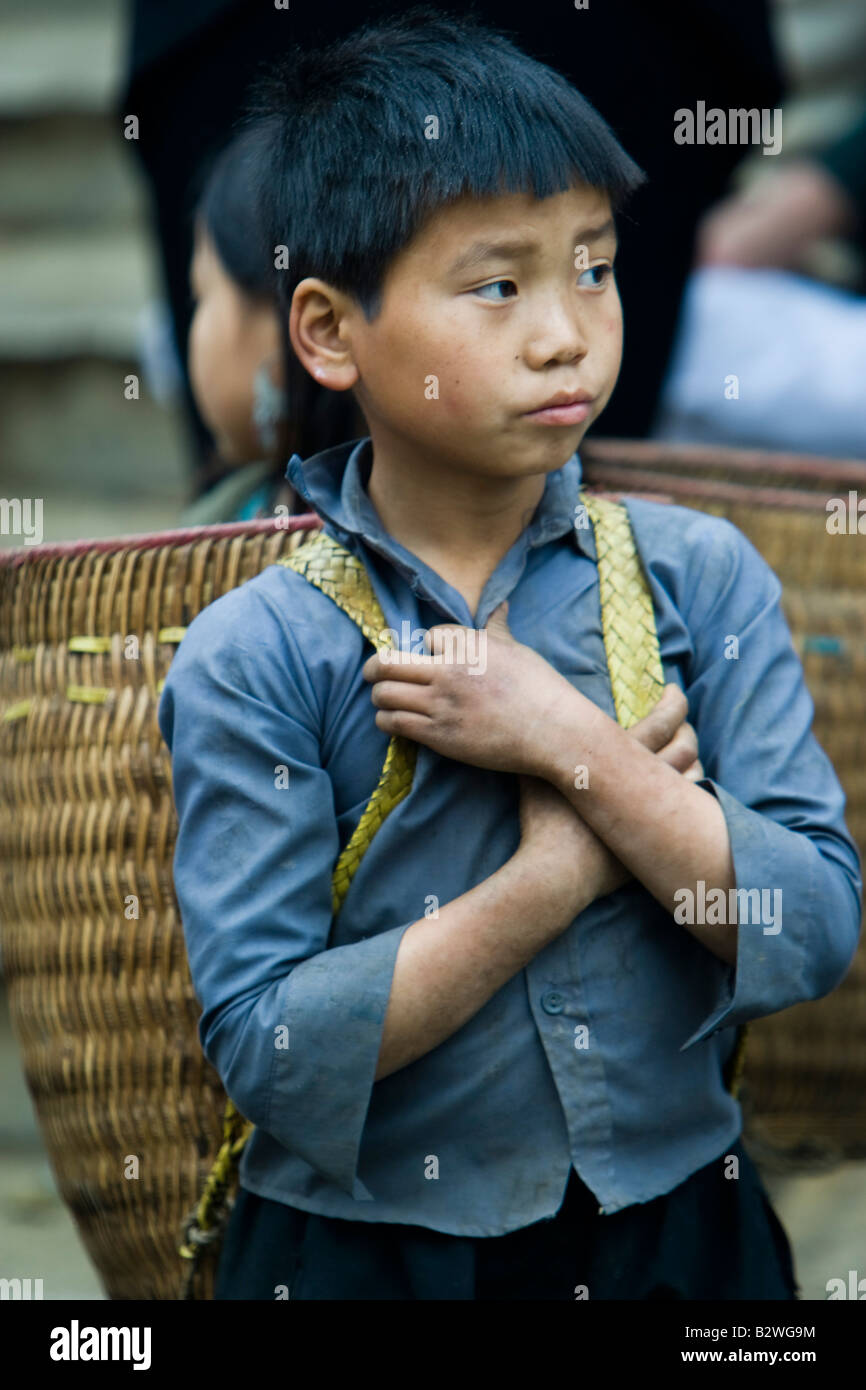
(574, 857)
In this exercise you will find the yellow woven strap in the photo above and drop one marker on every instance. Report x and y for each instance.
(394, 783)
(631, 644)
(197, 1231)
(339, 574)
(627, 619)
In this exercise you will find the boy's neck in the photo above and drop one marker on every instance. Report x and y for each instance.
(459, 524)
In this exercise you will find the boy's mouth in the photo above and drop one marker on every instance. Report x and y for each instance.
(565, 408)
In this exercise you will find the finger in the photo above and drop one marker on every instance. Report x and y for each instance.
(658, 727)
(673, 704)
(401, 695)
(684, 742)
(392, 664)
(403, 723)
(689, 733)
(678, 755)
(695, 773)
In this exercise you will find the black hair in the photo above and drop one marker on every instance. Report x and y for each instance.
(349, 170)
(229, 212)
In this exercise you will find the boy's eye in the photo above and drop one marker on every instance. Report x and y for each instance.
(602, 271)
(497, 299)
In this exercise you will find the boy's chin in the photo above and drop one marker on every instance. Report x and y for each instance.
(502, 454)
(546, 455)
(526, 463)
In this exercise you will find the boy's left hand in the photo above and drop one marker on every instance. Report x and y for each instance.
(495, 711)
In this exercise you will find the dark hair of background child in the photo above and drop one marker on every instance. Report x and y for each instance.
(227, 210)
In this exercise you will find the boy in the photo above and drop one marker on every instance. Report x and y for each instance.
(500, 1072)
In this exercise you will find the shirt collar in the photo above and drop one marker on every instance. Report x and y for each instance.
(333, 484)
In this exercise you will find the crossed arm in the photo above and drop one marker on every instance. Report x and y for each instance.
(640, 814)
(257, 938)
(521, 716)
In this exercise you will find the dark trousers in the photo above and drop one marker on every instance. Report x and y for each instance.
(710, 1238)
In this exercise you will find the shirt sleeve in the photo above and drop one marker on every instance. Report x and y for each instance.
(292, 1028)
(781, 799)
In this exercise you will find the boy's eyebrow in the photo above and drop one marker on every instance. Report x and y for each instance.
(485, 250)
(596, 233)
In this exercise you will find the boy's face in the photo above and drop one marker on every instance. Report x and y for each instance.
(495, 307)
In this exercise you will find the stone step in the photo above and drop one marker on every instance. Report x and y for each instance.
(103, 465)
(74, 292)
(61, 57)
(71, 171)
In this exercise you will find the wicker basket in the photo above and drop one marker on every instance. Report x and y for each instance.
(804, 1084)
(100, 998)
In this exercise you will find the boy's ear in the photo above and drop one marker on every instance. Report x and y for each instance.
(317, 315)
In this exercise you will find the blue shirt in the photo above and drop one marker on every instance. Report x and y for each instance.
(606, 1052)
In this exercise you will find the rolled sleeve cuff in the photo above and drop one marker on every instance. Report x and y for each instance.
(334, 1010)
(769, 971)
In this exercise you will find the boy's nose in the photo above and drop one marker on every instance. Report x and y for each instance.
(559, 337)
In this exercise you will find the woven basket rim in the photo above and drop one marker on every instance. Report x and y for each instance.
(654, 453)
(629, 467)
(633, 482)
(148, 540)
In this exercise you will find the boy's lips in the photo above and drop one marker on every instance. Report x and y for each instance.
(563, 409)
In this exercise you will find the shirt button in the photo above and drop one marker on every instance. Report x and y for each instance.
(552, 1002)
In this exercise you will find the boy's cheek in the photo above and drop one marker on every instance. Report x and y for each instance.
(614, 328)
(613, 331)
(432, 400)
(454, 394)
(611, 340)
(462, 400)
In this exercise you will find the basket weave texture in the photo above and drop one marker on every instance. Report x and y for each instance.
(804, 1083)
(93, 953)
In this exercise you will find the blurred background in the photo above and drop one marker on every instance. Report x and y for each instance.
(742, 277)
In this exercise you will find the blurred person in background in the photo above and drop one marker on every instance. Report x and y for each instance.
(250, 392)
(771, 348)
(190, 66)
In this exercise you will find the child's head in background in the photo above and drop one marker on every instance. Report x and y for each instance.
(393, 164)
(239, 352)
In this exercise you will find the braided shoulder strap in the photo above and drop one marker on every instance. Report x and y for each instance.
(341, 575)
(637, 681)
(632, 648)
(628, 624)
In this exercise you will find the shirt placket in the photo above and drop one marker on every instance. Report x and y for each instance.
(557, 998)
